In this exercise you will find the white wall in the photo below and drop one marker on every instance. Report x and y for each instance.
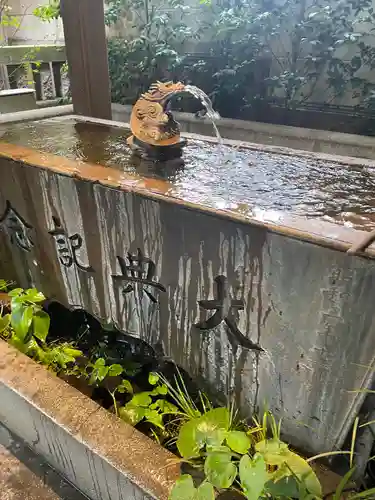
(32, 29)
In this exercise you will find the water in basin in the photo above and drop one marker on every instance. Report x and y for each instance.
(220, 176)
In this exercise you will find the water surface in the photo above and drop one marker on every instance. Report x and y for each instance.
(260, 183)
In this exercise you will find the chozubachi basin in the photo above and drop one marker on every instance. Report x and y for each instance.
(233, 262)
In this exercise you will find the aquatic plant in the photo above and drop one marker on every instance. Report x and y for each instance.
(248, 458)
(242, 459)
(26, 327)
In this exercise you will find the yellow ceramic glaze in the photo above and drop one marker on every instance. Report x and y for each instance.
(149, 122)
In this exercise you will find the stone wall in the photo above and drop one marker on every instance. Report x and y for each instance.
(204, 288)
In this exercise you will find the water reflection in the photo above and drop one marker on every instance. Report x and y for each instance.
(161, 169)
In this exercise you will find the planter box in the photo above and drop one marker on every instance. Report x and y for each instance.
(98, 453)
(102, 456)
(296, 291)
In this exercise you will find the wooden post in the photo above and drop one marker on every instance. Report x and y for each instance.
(86, 50)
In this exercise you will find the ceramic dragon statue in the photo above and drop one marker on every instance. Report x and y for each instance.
(155, 133)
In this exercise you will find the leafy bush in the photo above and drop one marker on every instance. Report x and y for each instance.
(154, 50)
(26, 327)
(265, 50)
(48, 12)
(309, 40)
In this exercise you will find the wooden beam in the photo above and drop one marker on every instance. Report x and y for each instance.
(86, 50)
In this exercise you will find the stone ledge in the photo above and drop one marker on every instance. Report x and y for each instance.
(98, 453)
(25, 475)
(319, 141)
(35, 114)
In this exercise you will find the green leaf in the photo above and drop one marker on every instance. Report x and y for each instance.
(162, 389)
(205, 492)
(165, 406)
(153, 378)
(101, 373)
(183, 489)
(4, 322)
(218, 417)
(41, 323)
(4, 285)
(154, 417)
(159, 390)
(213, 426)
(285, 487)
(304, 472)
(141, 399)
(187, 443)
(114, 370)
(238, 441)
(219, 469)
(99, 363)
(364, 494)
(273, 450)
(32, 295)
(59, 356)
(16, 292)
(131, 414)
(125, 386)
(21, 319)
(18, 344)
(70, 351)
(253, 476)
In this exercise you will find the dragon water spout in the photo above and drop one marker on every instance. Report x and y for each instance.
(155, 133)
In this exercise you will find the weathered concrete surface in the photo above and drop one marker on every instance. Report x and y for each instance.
(25, 476)
(322, 141)
(15, 100)
(100, 454)
(310, 308)
(36, 114)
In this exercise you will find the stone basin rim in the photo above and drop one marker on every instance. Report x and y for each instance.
(316, 231)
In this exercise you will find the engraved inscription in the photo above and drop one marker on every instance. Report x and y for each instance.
(137, 268)
(224, 308)
(68, 246)
(16, 227)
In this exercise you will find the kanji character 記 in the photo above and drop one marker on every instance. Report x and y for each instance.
(68, 246)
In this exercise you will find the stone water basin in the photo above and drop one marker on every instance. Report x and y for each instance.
(240, 246)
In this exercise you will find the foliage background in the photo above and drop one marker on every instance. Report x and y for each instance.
(244, 54)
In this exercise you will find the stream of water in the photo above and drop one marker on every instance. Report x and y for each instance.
(211, 114)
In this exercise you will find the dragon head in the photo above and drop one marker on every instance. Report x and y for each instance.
(151, 122)
(162, 92)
